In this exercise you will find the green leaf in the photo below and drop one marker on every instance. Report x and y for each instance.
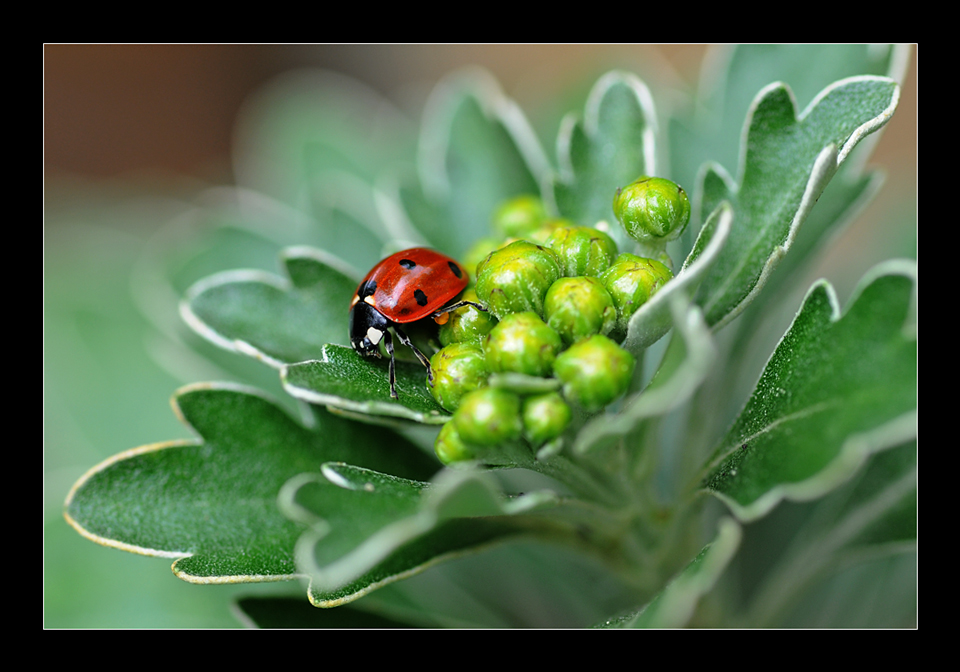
(212, 503)
(870, 518)
(840, 202)
(275, 320)
(613, 146)
(675, 605)
(476, 150)
(342, 379)
(787, 161)
(711, 130)
(368, 529)
(837, 389)
(292, 612)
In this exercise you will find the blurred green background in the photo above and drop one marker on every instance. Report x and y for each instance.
(133, 134)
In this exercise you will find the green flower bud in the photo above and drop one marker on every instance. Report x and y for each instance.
(488, 416)
(515, 278)
(582, 251)
(449, 447)
(545, 416)
(594, 371)
(519, 216)
(522, 343)
(467, 324)
(652, 209)
(579, 307)
(457, 369)
(631, 281)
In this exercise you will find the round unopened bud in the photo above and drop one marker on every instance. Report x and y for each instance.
(545, 416)
(594, 371)
(515, 278)
(449, 447)
(522, 343)
(466, 324)
(582, 251)
(652, 210)
(488, 416)
(458, 368)
(631, 281)
(579, 307)
(519, 216)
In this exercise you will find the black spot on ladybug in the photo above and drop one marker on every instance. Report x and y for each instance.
(420, 297)
(367, 288)
(407, 264)
(456, 269)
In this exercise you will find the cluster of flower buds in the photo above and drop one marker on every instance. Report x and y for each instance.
(559, 299)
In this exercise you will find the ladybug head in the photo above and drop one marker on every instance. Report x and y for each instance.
(367, 328)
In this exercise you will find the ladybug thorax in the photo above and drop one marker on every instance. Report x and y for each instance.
(367, 327)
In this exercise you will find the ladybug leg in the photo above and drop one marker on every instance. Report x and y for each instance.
(422, 357)
(388, 344)
(459, 304)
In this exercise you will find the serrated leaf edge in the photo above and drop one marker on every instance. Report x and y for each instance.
(857, 448)
(370, 407)
(110, 461)
(827, 163)
(591, 118)
(209, 333)
(379, 546)
(824, 167)
(438, 116)
(241, 276)
(163, 445)
(565, 173)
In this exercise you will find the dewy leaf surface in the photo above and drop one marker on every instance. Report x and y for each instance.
(613, 146)
(836, 390)
(213, 503)
(275, 320)
(787, 160)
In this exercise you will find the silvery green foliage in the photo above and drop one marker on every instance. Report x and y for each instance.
(348, 496)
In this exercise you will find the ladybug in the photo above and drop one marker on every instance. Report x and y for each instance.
(406, 287)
